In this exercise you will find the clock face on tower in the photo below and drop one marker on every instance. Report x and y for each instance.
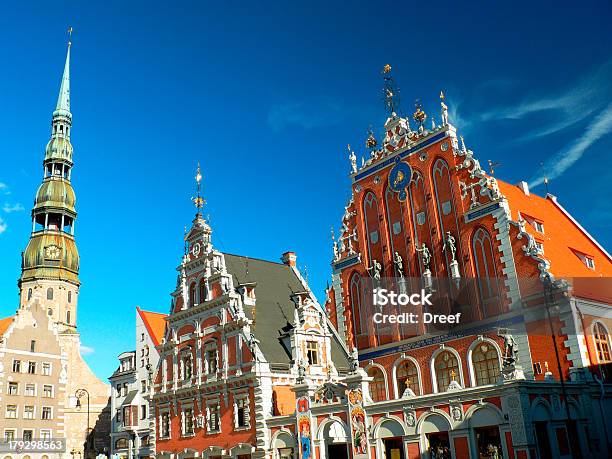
(52, 252)
(195, 250)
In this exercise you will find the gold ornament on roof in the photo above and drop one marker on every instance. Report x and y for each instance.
(198, 201)
(371, 140)
(386, 68)
(442, 95)
(419, 115)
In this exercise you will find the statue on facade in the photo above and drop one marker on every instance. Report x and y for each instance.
(375, 271)
(510, 357)
(352, 159)
(444, 109)
(301, 373)
(354, 360)
(425, 255)
(399, 264)
(449, 243)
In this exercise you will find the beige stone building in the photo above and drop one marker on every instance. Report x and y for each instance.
(47, 391)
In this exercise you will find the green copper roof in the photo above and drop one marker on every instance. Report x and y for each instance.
(63, 100)
(56, 193)
(51, 255)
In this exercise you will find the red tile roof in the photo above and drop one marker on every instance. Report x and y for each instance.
(562, 236)
(155, 323)
(5, 323)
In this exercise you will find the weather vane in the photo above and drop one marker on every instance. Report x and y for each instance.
(390, 91)
(69, 35)
(492, 166)
(198, 201)
(419, 115)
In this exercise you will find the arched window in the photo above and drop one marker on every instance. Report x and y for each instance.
(372, 227)
(602, 343)
(486, 364)
(67, 317)
(49, 293)
(447, 369)
(192, 295)
(69, 297)
(202, 290)
(121, 443)
(407, 377)
(484, 263)
(356, 302)
(29, 294)
(378, 388)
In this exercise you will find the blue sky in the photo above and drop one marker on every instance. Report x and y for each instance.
(267, 96)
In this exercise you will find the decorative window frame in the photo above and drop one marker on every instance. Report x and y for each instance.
(207, 346)
(213, 403)
(394, 368)
(385, 376)
(432, 367)
(33, 412)
(6, 411)
(187, 406)
(42, 409)
(242, 397)
(162, 411)
(608, 339)
(473, 346)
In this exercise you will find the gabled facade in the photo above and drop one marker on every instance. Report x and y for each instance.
(133, 424)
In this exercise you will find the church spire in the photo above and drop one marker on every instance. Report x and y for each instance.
(63, 100)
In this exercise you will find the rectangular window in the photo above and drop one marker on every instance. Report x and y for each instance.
(33, 346)
(539, 226)
(16, 366)
(143, 386)
(118, 387)
(312, 352)
(9, 435)
(13, 388)
(28, 435)
(46, 413)
(32, 368)
(118, 416)
(537, 368)
(46, 369)
(47, 391)
(11, 412)
(589, 262)
(540, 247)
(242, 412)
(188, 421)
(165, 425)
(28, 412)
(127, 419)
(213, 418)
(143, 411)
(45, 434)
(30, 390)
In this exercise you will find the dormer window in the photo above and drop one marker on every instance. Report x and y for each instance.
(539, 226)
(312, 352)
(540, 247)
(589, 262)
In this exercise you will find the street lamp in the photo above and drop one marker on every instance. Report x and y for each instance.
(80, 393)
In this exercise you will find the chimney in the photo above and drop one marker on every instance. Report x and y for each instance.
(289, 259)
(524, 186)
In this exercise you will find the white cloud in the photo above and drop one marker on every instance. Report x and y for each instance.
(3, 186)
(305, 115)
(12, 208)
(563, 160)
(86, 350)
(3, 226)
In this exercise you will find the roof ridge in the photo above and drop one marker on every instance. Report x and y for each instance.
(253, 258)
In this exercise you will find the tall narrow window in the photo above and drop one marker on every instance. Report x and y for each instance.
(602, 343)
(357, 306)
(192, 295)
(202, 290)
(312, 352)
(486, 275)
(407, 377)
(69, 297)
(447, 370)
(32, 346)
(378, 389)
(372, 228)
(49, 293)
(29, 294)
(486, 364)
(68, 317)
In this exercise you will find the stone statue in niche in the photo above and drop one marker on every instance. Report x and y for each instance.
(399, 264)
(375, 271)
(425, 255)
(450, 245)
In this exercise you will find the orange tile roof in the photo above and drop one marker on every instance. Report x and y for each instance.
(155, 323)
(563, 236)
(5, 323)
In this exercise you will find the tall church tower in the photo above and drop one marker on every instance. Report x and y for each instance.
(50, 263)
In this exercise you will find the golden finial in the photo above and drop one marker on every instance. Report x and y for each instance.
(453, 375)
(198, 201)
(442, 95)
(419, 115)
(386, 68)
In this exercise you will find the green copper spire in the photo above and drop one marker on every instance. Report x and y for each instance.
(51, 252)
(63, 100)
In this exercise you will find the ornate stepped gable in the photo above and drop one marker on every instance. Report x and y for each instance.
(240, 333)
